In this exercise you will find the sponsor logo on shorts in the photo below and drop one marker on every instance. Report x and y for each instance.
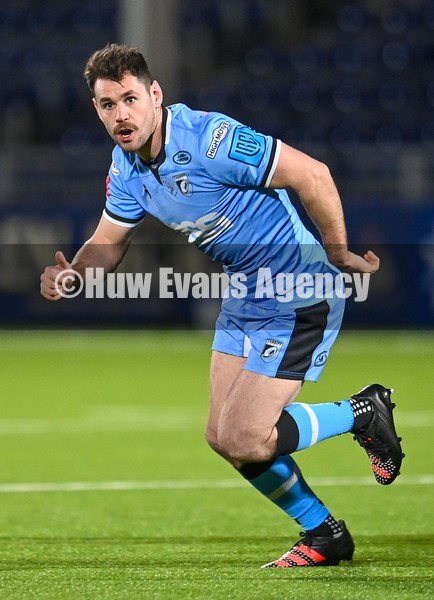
(271, 350)
(218, 135)
(321, 359)
(182, 157)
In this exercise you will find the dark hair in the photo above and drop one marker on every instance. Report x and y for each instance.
(113, 62)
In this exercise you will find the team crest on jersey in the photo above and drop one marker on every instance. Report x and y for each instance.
(183, 184)
(218, 135)
(271, 350)
(182, 157)
(247, 146)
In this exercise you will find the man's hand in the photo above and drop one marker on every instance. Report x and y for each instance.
(53, 277)
(353, 263)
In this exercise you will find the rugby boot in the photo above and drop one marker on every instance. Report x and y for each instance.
(379, 438)
(317, 551)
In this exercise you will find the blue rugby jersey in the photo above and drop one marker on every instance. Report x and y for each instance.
(210, 182)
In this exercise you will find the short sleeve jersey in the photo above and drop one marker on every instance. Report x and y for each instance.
(211, 182)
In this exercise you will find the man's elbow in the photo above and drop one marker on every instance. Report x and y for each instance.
(322, 174)
(317, 182)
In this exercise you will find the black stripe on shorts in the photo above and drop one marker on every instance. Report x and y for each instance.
(310, 324)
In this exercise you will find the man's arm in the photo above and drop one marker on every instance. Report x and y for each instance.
(105, 249)
(314, 184)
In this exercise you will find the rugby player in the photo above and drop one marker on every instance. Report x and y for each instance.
(223, 186)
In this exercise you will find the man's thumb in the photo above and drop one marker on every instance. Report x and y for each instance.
(61, 261)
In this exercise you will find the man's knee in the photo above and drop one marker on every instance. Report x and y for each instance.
(211, 438)
(244, 446)
(237, 446)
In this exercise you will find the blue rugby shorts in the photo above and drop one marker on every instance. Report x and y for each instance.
(280, 341)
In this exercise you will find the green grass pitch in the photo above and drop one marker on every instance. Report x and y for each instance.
(108, 489)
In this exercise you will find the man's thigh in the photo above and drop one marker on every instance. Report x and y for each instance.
(246, 427)
(284, 347)
(245, 407)
(225, 369)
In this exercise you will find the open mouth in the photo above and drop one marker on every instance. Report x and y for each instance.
(125, 135)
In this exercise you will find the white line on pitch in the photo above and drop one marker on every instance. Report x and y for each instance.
(399, 342)
(124, 419)
(91, 426)
(191, 484)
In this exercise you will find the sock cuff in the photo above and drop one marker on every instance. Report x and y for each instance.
(254, 469)
(328, 528)
(288, 434)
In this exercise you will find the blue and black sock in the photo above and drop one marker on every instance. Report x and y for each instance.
(303, 425)
(282, 482)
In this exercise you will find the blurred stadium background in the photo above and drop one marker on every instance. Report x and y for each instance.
(350, 82)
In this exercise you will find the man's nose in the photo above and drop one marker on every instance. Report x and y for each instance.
(121, 112)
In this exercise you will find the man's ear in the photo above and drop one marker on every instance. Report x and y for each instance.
(156, 93)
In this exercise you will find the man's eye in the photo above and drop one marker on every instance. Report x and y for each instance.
(131, 100)
(108, 106)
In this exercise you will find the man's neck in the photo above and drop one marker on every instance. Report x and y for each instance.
(152, 148)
